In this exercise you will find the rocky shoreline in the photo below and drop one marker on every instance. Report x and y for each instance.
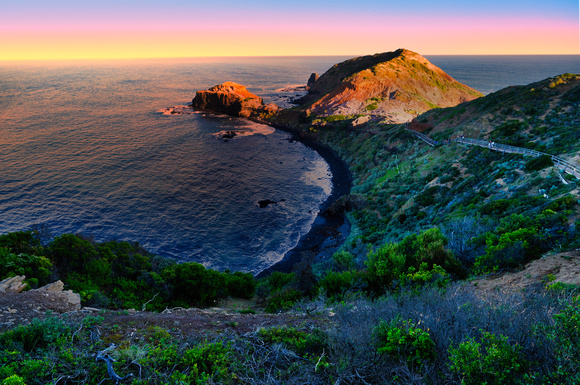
(329, 229)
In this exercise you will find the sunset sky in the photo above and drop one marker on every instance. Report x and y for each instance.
(107, 29)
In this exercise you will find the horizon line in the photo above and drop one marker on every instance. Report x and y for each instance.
(3, 61)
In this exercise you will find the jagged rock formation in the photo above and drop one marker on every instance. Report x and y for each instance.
(235, 100)
(312, 79)
(54, 292)
(13, 284)
(396, 85)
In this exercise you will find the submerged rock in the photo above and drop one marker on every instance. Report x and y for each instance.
(264, 203)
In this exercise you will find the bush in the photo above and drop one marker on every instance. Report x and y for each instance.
(301, 342)
(405, 341)
(539, 163)
(14, 380)
(283, 300)
(39, 334)
(208, 361)
(21, 242)
(240, 285)
(567, 332)
(336, 284)
(194, 285)
(491, 361)
(35, 268)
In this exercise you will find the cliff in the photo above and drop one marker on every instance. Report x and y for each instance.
(395, 85)
(235, 100)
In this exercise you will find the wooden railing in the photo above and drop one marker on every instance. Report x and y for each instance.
(423, 137)
(562, 164)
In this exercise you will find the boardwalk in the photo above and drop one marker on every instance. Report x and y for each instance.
(562, 164)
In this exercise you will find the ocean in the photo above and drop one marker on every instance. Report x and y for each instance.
(84, 150)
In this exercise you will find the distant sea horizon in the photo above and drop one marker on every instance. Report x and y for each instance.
(83, 150)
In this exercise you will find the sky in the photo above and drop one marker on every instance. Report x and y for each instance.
(122, 29)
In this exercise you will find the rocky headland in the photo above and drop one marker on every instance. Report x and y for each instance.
(397, 86)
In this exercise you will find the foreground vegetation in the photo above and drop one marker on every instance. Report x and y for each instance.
(430, 335)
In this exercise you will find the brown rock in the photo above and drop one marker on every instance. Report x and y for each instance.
(55, 286)
(70, 299)
(235, 100)
(361, 120)
(312, 79)
(13, 284)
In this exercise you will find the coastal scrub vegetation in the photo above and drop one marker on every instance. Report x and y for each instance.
(115, 274)
(425, 336)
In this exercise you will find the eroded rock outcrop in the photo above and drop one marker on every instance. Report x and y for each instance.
(53, 294)
(395, 85)
(235, 100)
(13, 284)
(312, 79)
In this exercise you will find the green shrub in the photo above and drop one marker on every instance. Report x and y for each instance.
(283, 300)
(240, 285)
(497, 207)
(385, 265)
(208, 361)
(567, 202)
(35, 268)
(39, 334)
(510, 249)
(21, 242)
(491, 361)
(278, 280)
(301, 342)
(14, 380)
(194, 285)
(334, 118)
(336, 284)
(539, 163)
(404, 341)
(567, 332)
(507, 129)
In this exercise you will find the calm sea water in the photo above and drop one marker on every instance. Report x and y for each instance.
(83, 150)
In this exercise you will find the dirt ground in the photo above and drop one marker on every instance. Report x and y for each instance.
(126, 325)
(561, 267)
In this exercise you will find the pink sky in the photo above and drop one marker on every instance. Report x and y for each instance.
(99, 33)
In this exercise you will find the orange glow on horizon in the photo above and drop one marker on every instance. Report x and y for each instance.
(426, 36)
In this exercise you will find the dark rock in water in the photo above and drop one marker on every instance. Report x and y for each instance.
(312, 79)
(229, 135)
(266, 202)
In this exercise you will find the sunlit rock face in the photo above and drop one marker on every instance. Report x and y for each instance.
(235, 100)
(397, 86)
